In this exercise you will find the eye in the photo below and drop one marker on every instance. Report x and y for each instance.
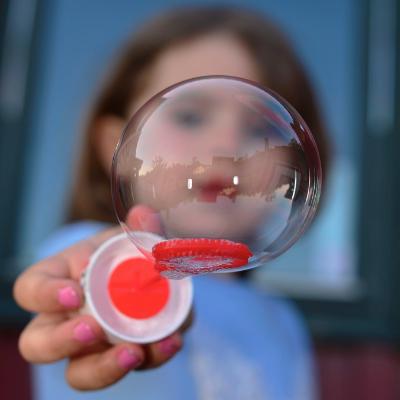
(189, 118)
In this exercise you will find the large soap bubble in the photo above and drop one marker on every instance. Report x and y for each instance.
(225, 171)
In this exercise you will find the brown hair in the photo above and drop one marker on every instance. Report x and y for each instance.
(280, 70)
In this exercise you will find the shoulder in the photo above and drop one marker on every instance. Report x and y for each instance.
(67, 235)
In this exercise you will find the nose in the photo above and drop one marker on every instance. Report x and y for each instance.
(225, 137)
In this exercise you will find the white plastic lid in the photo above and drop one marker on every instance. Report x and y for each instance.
(113, 279)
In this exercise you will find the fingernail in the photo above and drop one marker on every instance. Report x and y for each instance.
(68, 297)
(170, 345)
(84, 333)
(128, 359)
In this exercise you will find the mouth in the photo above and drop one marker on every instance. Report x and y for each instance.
(209, 191)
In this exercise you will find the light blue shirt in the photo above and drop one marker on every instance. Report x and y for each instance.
(244, 344)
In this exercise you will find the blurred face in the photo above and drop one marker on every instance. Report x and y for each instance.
(214, 54)
(211, 196)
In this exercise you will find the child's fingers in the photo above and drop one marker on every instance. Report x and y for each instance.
(143, 218)
(52, 337)
(78, 255)
(160, 352)
(52, 284)
(38, 291)
(99, 370)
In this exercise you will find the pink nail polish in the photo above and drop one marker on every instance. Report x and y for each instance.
(170, 346)
(128, 359)
(68, 297)
(84, 333)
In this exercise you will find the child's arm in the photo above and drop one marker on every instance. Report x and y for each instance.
(51, 289)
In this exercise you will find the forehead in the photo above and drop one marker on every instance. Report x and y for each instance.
(213, 54)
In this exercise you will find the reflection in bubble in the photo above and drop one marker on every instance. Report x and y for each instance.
(219, 158)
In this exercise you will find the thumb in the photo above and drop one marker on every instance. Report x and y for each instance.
(144, 218)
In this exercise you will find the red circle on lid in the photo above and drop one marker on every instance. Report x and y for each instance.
(137, 290)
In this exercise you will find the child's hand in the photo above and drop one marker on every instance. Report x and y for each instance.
(51, 288)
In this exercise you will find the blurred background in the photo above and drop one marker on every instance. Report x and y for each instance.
(344, 274)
